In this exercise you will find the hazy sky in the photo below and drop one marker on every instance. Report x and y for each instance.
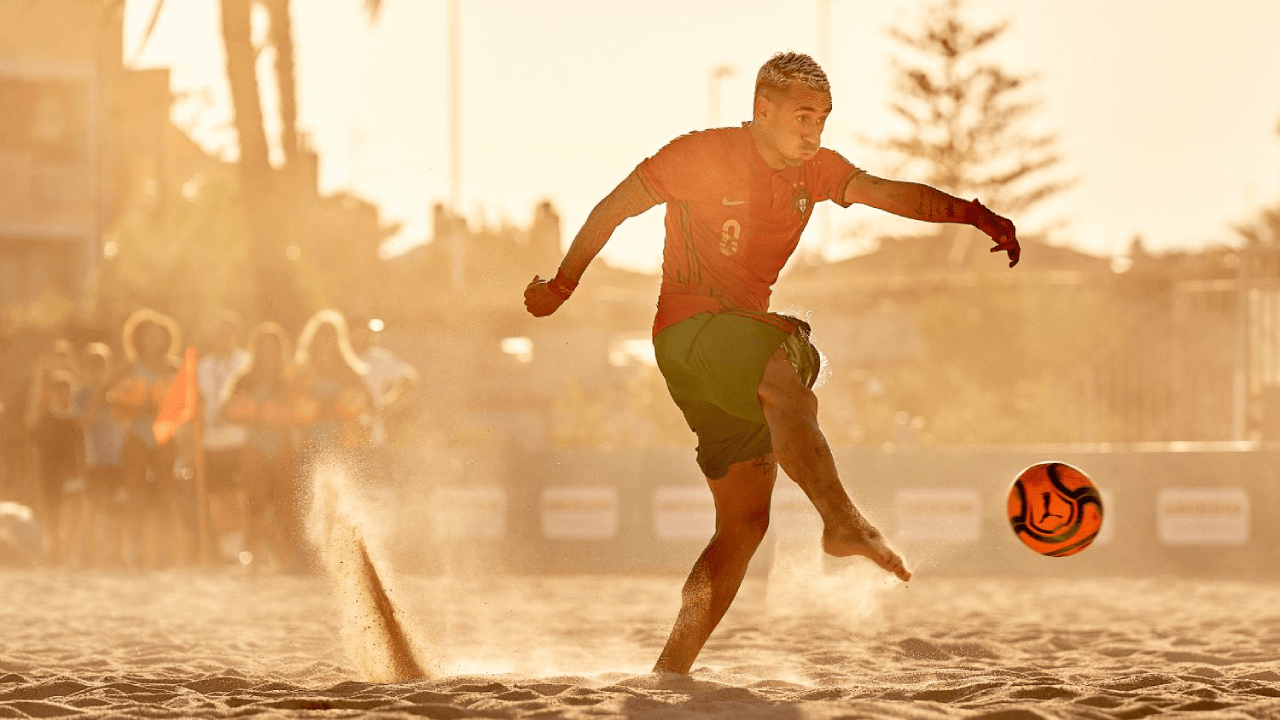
(1167, 109)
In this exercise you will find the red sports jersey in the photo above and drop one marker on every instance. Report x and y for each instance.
(732, 221)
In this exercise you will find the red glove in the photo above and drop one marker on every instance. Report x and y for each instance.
(543, 297)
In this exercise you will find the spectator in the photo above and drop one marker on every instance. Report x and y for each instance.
(151, 342)
(334, 408)
(103, 447)
(56, 435)
(390, 380)
(223, 441)
(21, 536)
(259, 398)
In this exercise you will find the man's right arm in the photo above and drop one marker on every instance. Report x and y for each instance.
(628, 199)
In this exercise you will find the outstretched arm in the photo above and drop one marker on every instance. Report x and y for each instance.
(922, 202)
(630, 198)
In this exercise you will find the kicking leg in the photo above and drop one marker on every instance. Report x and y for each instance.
(791, 411)
(742, 517)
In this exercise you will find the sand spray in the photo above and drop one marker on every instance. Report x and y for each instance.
(382, 643)
(804, 581)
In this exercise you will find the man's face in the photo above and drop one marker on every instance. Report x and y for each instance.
(794, 121)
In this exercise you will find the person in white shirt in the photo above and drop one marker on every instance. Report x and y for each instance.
(391, 380)
(223, 441)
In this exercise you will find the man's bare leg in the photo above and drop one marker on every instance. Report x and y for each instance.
(742, 517)
(791, 410)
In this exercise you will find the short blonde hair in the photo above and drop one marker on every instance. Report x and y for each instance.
(784, 68)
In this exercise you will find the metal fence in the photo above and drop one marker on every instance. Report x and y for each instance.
(1202, 363)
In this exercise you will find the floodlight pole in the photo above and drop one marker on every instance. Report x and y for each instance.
(718, 73)
(456, 226)
(824, 30)
(824, 58)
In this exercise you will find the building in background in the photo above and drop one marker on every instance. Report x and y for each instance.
(60, 78)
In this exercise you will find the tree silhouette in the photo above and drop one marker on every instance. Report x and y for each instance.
(966, 117)
(278, 204)
(271, 194)
(1263, 230)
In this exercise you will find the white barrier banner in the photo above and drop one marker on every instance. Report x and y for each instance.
(1107, 532)
(791, 514)
(946, 515)
(580, 512)
(1202, 516)
(683, 512)
(459, 511)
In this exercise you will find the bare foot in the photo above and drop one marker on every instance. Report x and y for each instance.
(867, 542)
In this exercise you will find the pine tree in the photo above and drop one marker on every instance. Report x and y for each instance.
(966, 117)
(1263, 230)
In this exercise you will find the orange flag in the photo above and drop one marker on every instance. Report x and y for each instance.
(179, 400)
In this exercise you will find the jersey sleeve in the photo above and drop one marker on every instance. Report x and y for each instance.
(677, 171)
(834, 174)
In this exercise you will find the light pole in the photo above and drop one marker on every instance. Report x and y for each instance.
(824, 57)
(455, 145)
(718, 73)
(824, 30)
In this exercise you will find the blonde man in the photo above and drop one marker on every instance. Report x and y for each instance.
(737, 200)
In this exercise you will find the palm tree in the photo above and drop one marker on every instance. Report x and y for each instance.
(270, 195)
(266, 192)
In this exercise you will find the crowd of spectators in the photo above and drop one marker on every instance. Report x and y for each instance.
(102, 485)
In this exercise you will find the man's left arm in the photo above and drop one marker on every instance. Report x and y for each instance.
(922, 202)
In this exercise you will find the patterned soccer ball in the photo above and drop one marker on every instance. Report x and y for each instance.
(1055, 509)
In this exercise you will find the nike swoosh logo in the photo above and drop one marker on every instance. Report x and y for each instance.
(729, 202)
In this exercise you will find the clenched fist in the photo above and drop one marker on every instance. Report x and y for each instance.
(540, 300)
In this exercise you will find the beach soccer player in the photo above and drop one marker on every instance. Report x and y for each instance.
(737, 200)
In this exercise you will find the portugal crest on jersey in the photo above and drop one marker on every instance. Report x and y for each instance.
(800, 198)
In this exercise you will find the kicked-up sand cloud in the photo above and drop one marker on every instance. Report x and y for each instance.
(374, 629)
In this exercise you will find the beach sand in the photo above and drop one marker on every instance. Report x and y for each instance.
(844, 644)
(365, 634)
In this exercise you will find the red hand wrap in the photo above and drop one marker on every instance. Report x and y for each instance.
(561, 288)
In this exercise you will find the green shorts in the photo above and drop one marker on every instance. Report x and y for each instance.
(713, 363)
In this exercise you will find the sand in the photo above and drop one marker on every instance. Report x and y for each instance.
(224, 643)
(365, 635)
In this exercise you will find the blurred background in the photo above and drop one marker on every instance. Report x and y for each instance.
(412, 165)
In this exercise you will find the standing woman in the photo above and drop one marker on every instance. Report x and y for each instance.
(259, 397)
(334, 410)
(103, 445)
(56, 436)
(151, 342)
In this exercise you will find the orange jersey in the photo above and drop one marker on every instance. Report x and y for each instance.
(732, 221)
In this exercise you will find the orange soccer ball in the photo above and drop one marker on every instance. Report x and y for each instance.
(1055, 509)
